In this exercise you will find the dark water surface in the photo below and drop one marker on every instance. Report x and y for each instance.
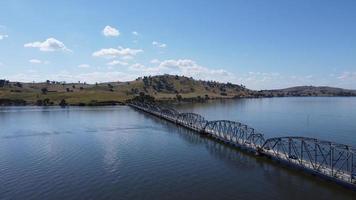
(119, 153)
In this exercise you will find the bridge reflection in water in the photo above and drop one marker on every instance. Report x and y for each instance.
(336, 162)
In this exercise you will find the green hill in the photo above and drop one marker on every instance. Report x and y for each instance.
(164, 87)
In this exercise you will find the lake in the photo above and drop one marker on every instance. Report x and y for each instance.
(120, 153)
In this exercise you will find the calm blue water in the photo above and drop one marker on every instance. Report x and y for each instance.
(326, 118)
(119, 153)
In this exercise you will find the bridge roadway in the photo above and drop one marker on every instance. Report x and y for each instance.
(328, 160)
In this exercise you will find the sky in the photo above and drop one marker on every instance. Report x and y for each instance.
(261, 44)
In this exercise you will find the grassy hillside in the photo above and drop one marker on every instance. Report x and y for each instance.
(165, 87)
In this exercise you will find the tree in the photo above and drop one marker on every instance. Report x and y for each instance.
(63, 103)
(144, 98)
(46, 102)
(179, 97)
(44, 90)
(3, 82)
(39, 102)
(145, 81)
(18, 84)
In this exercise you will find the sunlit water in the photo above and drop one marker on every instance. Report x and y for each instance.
(120, 153)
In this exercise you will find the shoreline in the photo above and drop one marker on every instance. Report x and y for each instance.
(95, 103)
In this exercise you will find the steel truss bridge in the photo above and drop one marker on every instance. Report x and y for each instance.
(336, 162)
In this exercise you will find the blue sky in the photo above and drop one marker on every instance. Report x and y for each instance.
(261, 44)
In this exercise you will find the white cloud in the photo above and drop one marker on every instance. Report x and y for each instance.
(191, 68)
(159, 44)
(3, 37)
(135, 33)
(255, 79)
(184, 67)
(346, 79)
(117, 62)
(69, 77)
(138, 66)
(347, 76)
(51, 44)
(37, 61)
(155, 61)
(93, 77)
(127, 57)
(124, 53)
(27, 76)
(83, 66)
(109, 31)
(274, 80)
(309, 76)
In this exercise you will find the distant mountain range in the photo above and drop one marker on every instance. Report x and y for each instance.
(163, 88)
(309, 91)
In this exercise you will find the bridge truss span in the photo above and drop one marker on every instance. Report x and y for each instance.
(235, 132)
(193, 121)
(170, 114)
(331, 159)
